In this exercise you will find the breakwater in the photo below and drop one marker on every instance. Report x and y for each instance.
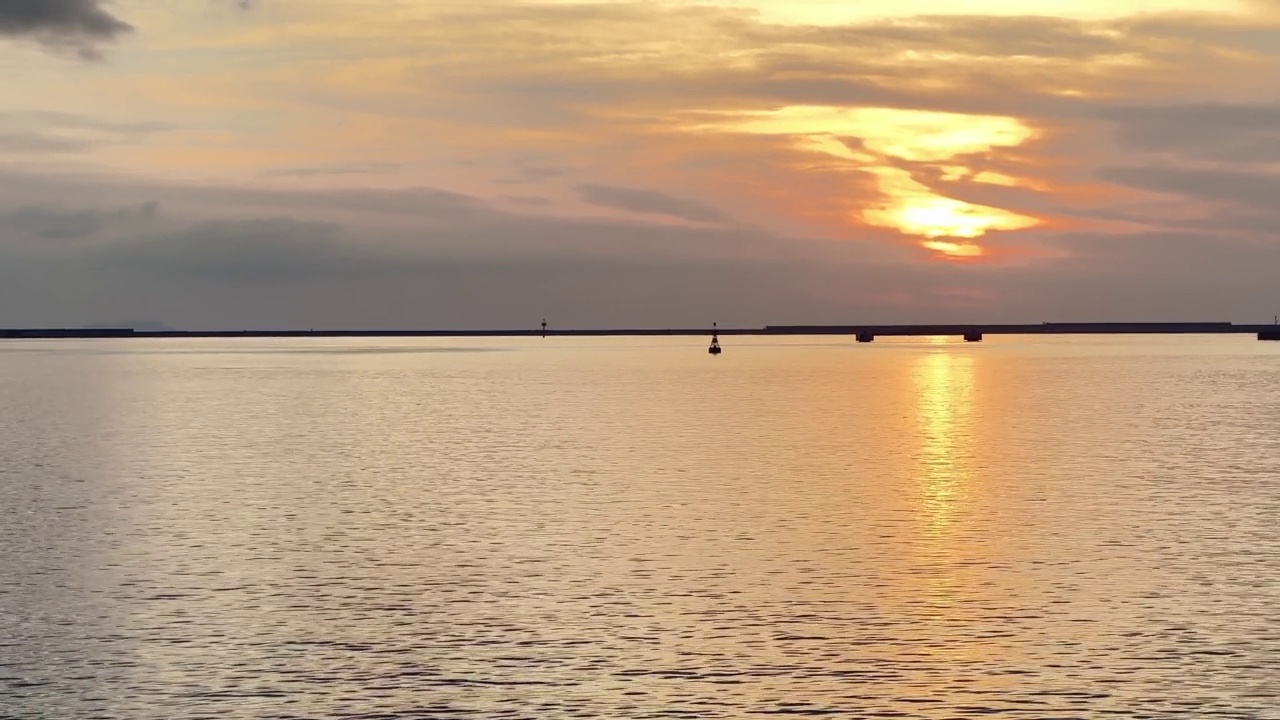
(864, 333)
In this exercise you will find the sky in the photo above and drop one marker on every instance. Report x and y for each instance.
(225, 164)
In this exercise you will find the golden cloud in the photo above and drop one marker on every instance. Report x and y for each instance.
(874, 139)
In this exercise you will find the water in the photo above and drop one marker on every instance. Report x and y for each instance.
(1082, 527)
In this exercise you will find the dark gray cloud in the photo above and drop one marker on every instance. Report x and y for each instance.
(387, 263)
(74, 17)
(428, 205)
(376, 263)
(80, 24)
(1255, 189)
(1235, 133)
(648, 202)
(1168, 276)
(35, 143)
(57, 223)
(278, 274)
(236, 251)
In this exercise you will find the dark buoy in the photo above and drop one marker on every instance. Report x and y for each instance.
(715, 341)
(544, 328)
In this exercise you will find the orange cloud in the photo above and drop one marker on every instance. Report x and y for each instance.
(877, 139)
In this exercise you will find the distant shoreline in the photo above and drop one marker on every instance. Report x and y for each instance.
(964, 330)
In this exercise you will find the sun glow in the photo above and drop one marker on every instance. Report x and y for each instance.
(958, 251)
(913, 209)
(914, 135)
(877, 140)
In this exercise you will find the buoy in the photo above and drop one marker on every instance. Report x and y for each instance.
(715, 341)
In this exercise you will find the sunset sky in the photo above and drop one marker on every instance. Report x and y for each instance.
(434, 163)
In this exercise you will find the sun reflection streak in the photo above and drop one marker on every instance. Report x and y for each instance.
(944, 382)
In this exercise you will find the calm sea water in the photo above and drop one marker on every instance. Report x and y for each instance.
(1074, 528)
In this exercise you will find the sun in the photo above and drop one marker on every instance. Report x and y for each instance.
(913, 209)
(954, 250)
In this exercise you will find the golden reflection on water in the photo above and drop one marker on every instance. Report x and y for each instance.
(944, 382)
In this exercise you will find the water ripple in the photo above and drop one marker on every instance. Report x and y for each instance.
(269, 529)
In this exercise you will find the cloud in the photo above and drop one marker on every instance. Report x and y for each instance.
(73, 121)
(634, 95)
(31, 132)
(1023, 65)
(460, 263)
(228, 258)
(1255, 189)
(530, 200)
(648, 202)
(233, 251)
(1027, 36)
(81, 24)
(332, 170)
(1222, 132)
(59, 223)
(532, 174)
(35, 143)
(481, 113)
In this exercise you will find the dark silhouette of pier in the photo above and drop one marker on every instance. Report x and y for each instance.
(862, 333)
